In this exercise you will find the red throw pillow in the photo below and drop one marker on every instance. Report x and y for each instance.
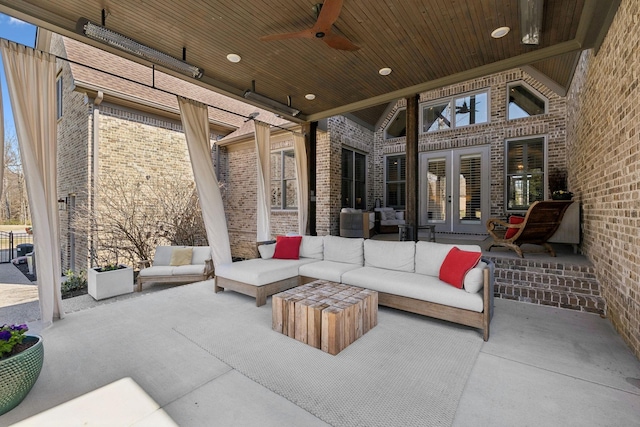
(513, 219)
(287, 247)
(456, 265)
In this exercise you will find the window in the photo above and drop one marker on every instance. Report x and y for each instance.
(354, 179)
(396, 176)
(283, 180)
(449, 113)
(436, 117)
(472, 109)
(524, 101)
(397, 127)
(59, 97)
(525, 172)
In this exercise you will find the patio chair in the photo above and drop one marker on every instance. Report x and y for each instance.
(539, 224)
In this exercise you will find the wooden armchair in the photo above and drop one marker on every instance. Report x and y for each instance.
(540, 223)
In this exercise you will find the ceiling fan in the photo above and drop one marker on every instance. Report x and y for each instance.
(328, 13)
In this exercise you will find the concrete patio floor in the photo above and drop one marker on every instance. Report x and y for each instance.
(542, 366)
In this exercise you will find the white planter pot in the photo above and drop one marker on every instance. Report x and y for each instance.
(109, 284)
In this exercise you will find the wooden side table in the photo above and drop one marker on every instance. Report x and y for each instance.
(325, 315)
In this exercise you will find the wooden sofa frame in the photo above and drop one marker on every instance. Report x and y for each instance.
(439, 311)
(179, 279)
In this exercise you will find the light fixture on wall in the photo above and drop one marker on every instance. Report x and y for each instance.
(268, 102)
(104, 35)
(62, 204)
(531, 12)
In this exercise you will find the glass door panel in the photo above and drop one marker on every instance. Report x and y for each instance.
(454, 190)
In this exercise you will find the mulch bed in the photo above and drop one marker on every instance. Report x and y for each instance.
(24, 269)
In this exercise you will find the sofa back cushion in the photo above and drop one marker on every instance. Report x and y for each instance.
(162, 255)
(342, 249)
(430, 256)
(312, 247)
(398, 256)
(200, 254)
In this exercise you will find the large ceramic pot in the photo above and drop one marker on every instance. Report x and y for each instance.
(19, 373)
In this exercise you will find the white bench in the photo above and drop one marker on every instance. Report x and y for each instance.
(162, 270)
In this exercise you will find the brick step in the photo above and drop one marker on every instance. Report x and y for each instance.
(548, 281)
(567, 300)
(557, 283)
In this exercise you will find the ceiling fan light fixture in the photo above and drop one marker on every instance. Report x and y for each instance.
(384, 71)
(310, 96)
(272, 103)
(124, 43)
(531, 14)
(500, 32)
(234, 57)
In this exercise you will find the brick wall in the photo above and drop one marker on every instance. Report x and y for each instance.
(341, 132)
(74, 130)
(603, 154)
(133, 145)
(494, 133)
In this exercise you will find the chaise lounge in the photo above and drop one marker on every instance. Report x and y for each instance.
(540, 223)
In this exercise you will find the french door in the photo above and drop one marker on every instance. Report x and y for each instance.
(454, 189)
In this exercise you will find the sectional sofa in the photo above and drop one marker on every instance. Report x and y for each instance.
(406, 276)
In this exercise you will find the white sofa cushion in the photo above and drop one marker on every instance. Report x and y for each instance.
(312, 247)
(430, 256)
(343, 249)
(200, 254)
(162, 255)
(390, 255)
(188, 269)
(474, 279)
(392, 222)
(326, 270)
(259, 272)
(411, 285)
(157, 270)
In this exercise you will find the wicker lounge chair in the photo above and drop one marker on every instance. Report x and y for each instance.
(540, 223)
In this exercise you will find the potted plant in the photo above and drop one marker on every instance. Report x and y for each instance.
(109, 281)
(558, 185)
(21, 358)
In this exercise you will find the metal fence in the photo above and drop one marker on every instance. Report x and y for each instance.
(13, 245)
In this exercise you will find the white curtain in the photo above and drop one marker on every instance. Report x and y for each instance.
(263, 156)
(303, 182)
(31, 77)
(195, 121)
(1, 146)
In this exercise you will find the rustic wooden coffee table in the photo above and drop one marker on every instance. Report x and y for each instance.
(325, 315)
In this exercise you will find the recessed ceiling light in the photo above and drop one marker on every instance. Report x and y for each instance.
(310, 96)
(500, 32)
(384, 71)
(232, 57)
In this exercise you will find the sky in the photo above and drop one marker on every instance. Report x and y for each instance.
(19, 32)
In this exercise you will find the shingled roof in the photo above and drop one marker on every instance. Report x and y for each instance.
(109, 82)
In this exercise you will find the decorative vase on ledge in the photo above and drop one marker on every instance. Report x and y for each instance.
(18, 373)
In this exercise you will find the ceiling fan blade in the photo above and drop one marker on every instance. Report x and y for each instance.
(339, 42)
(328, 15)
(306, 34)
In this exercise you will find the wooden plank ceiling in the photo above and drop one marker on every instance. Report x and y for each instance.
(427, 43)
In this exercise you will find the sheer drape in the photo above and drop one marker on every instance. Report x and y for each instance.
(196, 129)
(31, 77)
(303, 182)
(263, 156)
(1, 146)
